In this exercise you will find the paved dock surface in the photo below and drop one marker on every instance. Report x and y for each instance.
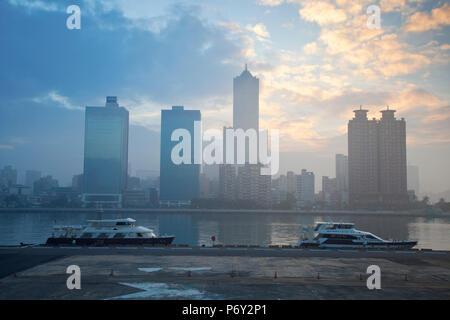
(224, 273)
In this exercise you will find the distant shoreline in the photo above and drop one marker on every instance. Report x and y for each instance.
(416, 213)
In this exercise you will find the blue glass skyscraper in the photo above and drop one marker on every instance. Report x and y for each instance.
(105, 154)
(179, 184)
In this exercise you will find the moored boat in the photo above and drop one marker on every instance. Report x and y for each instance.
(344, 235)
(107, 232)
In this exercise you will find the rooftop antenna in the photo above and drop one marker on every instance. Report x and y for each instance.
(360, 107)
(245, 67)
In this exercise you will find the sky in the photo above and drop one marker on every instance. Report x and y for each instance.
(317, 61)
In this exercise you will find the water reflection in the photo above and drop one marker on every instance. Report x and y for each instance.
(230, 228)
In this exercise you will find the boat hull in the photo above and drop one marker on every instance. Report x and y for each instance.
(336, 244)
(110, 241)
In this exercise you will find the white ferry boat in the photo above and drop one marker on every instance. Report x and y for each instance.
(344, 235)
(107, 232)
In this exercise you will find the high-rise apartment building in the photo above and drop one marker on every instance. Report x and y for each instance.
(305, 188)
(227, 181)
(392, 159)
(377, 160)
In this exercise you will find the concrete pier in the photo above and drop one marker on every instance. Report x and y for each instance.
(221, 273)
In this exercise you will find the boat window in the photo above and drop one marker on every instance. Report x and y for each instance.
(337, 236)
(123, 223)
(103, 235)
(86, 235)
(119, 235)
(139, 235)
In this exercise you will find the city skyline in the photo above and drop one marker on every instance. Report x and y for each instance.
(305, 91)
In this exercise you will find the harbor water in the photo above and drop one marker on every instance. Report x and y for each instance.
(232, 228)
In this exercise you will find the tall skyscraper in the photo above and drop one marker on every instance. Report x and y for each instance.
(246, 101)
(392, 152)
(377, 160)
(363, 159)
(105, 154)
(179, 184)
(246, 105)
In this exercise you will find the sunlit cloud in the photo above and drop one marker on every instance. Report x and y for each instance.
(424, 21)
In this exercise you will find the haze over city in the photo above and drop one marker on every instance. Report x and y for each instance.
(316, 61)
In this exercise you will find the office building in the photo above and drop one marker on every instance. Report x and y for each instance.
(246, 104)
(246, 101)
(179, 183)
(105, 154)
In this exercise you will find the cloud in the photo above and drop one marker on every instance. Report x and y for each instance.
(189, 58)
(61, 101)
(270, 3)
(424, 21)
(260, 31)
(322, 13)
(36, 5)
(311, 48)
(6, 147)
(371, 53)
(234, 27)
